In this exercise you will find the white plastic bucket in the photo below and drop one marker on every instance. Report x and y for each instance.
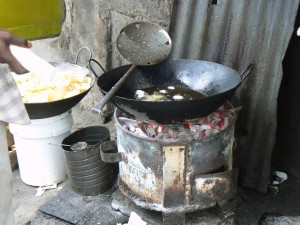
(40, 162)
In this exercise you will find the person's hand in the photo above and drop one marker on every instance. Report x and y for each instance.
(6, 39)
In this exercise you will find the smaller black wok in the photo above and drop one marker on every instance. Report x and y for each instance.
(217, 82)
(55, 108)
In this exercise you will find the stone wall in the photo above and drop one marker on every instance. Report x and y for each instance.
(96, 24)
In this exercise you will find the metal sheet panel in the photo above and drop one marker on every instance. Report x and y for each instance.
(236, 33)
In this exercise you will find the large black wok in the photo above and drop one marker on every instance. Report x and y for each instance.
(50, 109)
(216, 81)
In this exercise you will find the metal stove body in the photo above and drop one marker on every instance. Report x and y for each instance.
(176, 176)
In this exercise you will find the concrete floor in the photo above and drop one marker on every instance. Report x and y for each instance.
(24, 200)
(249, 210)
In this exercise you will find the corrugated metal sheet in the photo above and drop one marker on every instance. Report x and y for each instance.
(236, 33)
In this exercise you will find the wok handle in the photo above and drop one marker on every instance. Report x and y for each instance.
(92, 69)
(109, 152)
(246, 72)
(90, 59)
(78, 53)
(113, 90)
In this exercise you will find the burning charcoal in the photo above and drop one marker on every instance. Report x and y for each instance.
(166, 136)
(129, 127)
(201, 135)
(216, 131)
(207, 119)
(220, 125)
(198, 128)
(234, 110)
(216, 120)
(173, 133)
(128, 124)
(183, 131)
(139, 131)
(185, 136)
(150, 131)
(219, 114)
(180, 127)
(211, 124)
(187, 125)
(125, 119)
(150, 125)
(221, 108)
(201, 120)
(195, 128)
(225, 124)
(209, 132)
(159, 128)
(162, 133)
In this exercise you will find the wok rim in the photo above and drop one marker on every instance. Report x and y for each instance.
(91, 75)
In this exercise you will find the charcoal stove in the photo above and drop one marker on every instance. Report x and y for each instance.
(176, 175)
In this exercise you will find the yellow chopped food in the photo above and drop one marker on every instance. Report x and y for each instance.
(34, 89)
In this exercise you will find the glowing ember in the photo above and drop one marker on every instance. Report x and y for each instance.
(159, 129)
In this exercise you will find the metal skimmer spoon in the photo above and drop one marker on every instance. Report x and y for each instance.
(76, 146)
(142, 44)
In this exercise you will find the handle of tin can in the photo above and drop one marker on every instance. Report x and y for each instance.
(109, 152)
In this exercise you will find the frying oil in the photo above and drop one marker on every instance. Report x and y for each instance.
(169, 93)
